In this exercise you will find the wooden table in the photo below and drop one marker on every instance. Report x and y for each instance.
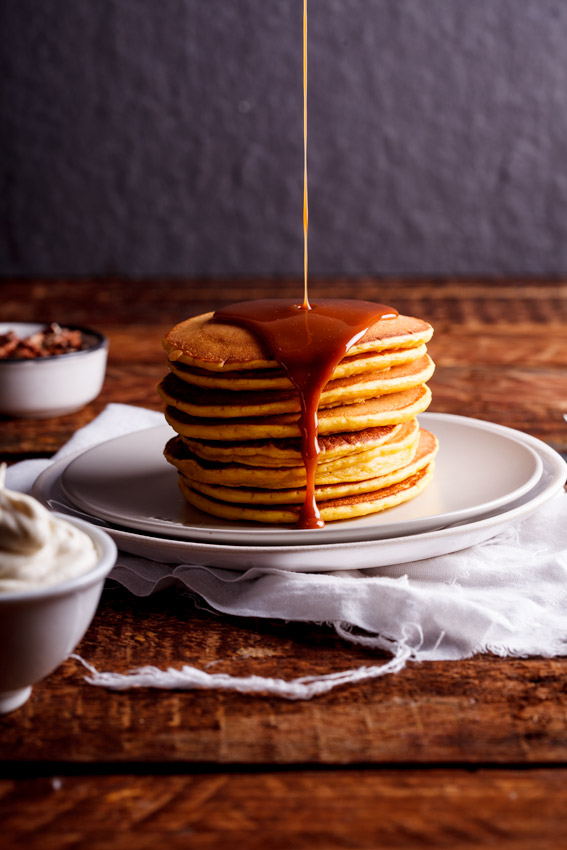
(467, 754)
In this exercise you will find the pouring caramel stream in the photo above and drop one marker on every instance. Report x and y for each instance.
(308, 341)
(306, 305)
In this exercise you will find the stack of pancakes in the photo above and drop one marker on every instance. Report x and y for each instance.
(237, 414)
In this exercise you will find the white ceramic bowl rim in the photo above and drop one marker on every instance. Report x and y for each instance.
(106, 548)
(101, 342)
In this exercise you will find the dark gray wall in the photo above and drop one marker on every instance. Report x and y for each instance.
(163, 137)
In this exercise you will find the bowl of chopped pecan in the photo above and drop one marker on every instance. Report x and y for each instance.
(49, 370)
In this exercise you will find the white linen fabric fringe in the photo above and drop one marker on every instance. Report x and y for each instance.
(192, 678)
(506, 596)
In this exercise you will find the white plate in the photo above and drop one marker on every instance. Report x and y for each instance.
(330, 556)
(127, 481)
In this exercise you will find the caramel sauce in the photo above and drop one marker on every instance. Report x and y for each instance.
(308, 341)
(308, 344)
(305, 192)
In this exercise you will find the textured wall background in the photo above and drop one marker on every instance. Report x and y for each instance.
(163, 137)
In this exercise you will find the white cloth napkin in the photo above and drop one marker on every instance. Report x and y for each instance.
(507, 595)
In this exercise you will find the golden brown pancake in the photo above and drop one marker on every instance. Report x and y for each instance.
(425, 454)
(391, 409)
(346, 507)
(221, 347)
(357, 466)
(287, 451)
(275, 379)
(225, 404)
(238, 451)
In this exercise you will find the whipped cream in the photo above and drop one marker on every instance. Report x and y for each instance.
(38, 549)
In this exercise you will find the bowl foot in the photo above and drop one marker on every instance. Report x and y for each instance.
(11, 700)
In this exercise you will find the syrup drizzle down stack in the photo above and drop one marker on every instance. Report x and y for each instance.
(306, 305)
(308, 340)
(308, 344)
(356, 372)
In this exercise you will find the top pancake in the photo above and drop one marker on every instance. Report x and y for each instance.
(219, 346)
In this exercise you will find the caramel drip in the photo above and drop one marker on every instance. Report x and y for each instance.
(308, 341)
(308, 345)
(306, 305)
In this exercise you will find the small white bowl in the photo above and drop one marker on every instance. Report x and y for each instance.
(51, 386)
(40, 627)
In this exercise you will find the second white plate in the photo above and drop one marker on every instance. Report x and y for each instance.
(355, 555)
(481, 467)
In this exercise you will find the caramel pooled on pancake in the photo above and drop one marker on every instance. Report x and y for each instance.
(239, 424)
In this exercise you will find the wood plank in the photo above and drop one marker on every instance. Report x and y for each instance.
(501, 352)
(130, 301)
(518, 346)
(443, 808)
(495, 362)
(530, 400)
(482, 711)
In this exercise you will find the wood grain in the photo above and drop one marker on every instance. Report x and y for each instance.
(467, 302)
(443, 808)
(481, 711)
(500, 346)
(456, 755)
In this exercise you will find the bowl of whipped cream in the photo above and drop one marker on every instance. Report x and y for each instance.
(52, 571)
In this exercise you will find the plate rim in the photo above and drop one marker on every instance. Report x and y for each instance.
(375, 554)
(273, 536)
(554, 467)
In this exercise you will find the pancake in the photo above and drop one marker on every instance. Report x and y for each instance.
(222, 404)
(287, 452)
(424, 455)
(358, 466)
(346, 507)
(238, 449)
(391, 409)
(222, 347)
(275, 379)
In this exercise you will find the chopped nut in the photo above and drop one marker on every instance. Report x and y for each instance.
(45, 343)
